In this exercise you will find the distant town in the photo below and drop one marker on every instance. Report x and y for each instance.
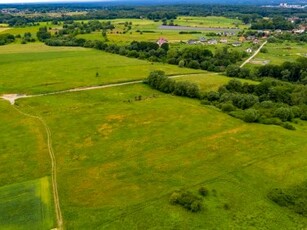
(288, 6)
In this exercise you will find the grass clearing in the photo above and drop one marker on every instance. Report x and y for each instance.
(210, 81)
(118, 162)
(26, 205)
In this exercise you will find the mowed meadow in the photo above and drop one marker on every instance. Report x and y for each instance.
(119, 161)
(122, 151)
(37, 68)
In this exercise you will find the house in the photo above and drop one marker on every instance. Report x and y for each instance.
(162, 41)
(192, 42)
(249, 50)
(212, 42)
(278, 31)
(236, 44)
(223, 40)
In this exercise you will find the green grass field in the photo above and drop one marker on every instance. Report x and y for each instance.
(118, 162)
(53, 68)
(118, 159)
(210, 21)
(210, 81)
(26, 205)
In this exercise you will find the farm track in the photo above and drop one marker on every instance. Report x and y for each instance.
(13, 97)
(254, 55)
(53, 168)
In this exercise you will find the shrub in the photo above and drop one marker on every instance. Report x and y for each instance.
(251, 115)
(227, 107)
(267, 104)
(285, 114)
(181, 63)
(213, 96)
(234, 86)
(203, 191)
(187, 200)
(288, 126)
(244, 101)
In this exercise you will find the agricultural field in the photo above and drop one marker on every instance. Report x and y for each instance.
(26, 205)
(151, 30)
(210, 21)
(56, 68)
(122, 151)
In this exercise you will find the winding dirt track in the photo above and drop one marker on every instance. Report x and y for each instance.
(13, 97)
(53, 169)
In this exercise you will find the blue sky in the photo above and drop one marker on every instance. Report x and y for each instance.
(23, 1)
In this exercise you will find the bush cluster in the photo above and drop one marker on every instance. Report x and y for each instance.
(6, 39)
(294, 198)
(158, 80)
(270, 102)
(187, 200)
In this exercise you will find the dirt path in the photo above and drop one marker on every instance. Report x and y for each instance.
(53, 169)
(13, 97)
(254, 55)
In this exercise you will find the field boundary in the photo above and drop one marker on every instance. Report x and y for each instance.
(53, 168)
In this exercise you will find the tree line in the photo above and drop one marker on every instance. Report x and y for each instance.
(195, 57)
(288, 71)
(155, 12)
(269, 102)
(6, 39)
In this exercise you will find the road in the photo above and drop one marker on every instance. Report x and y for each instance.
(254, 55)
(13, 97)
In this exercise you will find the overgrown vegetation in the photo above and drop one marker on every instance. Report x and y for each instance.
(270, 102)
(294, 198)
(6, 39)
(158, 80)
(288, 71)
(187, 200)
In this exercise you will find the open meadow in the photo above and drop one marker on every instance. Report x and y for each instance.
(119, 161)
(48, 69)
(122, 151)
